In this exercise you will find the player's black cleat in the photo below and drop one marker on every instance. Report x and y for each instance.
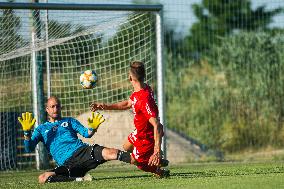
(164, 163)
(162, 173)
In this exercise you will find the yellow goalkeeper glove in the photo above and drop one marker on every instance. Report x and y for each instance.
(95, 121)
(27, 121)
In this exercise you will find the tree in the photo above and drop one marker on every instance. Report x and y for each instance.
(9, 31)
(219, 18)
(10, 38)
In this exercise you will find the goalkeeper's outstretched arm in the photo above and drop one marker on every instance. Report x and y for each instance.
(27, 122)
(31, 141)
(93, 122)
(123, 105)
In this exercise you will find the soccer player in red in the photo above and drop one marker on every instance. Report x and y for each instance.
(145, 141)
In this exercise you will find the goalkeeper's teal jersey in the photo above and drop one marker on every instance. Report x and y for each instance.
(60, 138)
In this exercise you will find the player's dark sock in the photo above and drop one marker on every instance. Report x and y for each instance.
(164, 163)
(60, 178)
(162, 173)
(124, 156)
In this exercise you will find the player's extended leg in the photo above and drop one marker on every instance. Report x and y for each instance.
(127, 146)
(42, 178)
(59, 174)
(115, 154)
(112, 154)
(62, 178)
(156, 170)
(143, 154)
(48, 177)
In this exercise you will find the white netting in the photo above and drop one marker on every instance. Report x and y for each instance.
(104, 41)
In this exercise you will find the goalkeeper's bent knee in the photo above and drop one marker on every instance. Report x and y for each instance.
(124, 156)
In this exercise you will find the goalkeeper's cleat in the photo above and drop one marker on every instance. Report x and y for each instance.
(162, 173)
(164, 163)
(87, 177)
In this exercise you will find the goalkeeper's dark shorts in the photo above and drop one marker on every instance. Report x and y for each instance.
(82, 161)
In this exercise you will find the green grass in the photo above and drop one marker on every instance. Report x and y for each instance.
(205, 175)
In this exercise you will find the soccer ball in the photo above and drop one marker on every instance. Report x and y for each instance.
(88, 79)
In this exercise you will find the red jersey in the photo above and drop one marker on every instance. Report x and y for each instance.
(144, 107)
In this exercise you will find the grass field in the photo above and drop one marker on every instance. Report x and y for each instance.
(205, 175)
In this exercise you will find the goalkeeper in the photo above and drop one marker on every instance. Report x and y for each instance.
(59, 135)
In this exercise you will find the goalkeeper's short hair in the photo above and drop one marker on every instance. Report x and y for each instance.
(53, 97)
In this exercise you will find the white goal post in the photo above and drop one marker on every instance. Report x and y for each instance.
(45, 46)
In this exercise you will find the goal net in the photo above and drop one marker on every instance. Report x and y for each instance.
(67, 42)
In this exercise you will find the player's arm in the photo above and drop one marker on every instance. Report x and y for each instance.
(123, 105)
(27, 122)
(158, 134)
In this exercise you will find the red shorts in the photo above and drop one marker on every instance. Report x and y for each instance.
(143, 148)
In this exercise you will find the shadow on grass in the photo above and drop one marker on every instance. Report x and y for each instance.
(202, 174)
(175, 175)
(221, 173)
(122, 177)
(198, 174)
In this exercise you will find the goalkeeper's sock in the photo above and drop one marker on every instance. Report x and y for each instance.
(60, 178)
(124, 156)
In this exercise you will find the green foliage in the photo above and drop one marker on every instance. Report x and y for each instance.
(219, 18)
(234, 99)
(231, 98)
(58, 30)
(10, 38)
(10, 25)
(253, 72)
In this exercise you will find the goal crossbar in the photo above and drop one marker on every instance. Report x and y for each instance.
(60, 6)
